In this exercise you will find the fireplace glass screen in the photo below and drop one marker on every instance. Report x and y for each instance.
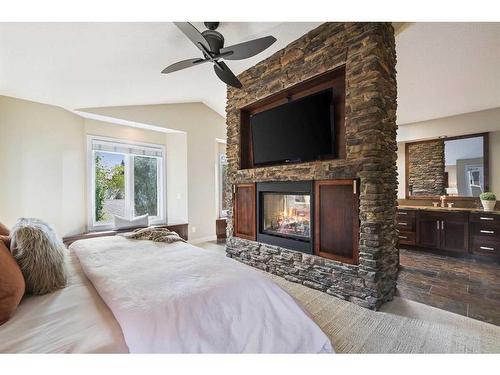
(287, 215)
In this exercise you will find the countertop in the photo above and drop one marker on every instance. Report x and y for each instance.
(432, 208)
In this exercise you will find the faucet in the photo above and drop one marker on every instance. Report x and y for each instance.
(443, 200)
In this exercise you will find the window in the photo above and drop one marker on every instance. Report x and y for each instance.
(223, 207)
(125, 179)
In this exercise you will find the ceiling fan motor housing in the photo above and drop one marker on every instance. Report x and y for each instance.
(215, 40)
(211, 25)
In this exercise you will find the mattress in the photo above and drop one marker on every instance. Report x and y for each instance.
(72, 320)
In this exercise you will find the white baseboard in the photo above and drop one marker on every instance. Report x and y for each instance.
(202, 239)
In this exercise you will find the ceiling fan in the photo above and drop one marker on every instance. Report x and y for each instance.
(211, 43)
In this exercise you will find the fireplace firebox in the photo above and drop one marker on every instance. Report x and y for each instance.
(285, 214)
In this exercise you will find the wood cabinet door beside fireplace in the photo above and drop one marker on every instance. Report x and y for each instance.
(244, 211)
(336, 231)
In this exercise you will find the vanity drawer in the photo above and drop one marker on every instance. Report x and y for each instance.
(490, 231)
(408, 214)
(485, 218)
(405, 224)
(407, 238)
(485, 248)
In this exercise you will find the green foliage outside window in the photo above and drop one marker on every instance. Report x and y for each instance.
(100, 188)
(145, 186)
(116, 182)
(109, 184)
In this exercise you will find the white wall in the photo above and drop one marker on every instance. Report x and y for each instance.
(203, 127)
(42, 165)
(468, 123)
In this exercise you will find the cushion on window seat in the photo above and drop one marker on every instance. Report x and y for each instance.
(136, 222)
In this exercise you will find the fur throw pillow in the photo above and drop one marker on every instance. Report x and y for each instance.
(40, 255)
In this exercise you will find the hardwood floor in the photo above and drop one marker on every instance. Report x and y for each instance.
(464, 286)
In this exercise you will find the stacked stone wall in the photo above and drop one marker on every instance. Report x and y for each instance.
(368, 52)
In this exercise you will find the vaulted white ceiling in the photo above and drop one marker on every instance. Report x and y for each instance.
(446, 69)
(78, 65)
(443, 69)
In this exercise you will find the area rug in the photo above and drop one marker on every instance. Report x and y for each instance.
(401, 326)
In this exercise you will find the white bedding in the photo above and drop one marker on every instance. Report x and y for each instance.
(71, 320)
(177, 298)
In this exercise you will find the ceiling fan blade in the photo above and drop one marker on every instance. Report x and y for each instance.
(226, 75)
(247, 49)
(183, 65)
(193, 34)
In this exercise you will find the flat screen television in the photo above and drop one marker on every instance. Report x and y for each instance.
(298, 131)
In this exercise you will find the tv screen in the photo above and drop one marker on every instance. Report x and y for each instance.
(298, 131)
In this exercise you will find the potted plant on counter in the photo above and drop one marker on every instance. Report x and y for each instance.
(489, 200)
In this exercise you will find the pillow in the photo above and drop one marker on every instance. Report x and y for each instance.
(139, 221)
(4, 231)
(40, 255)
(11, 284)
(4, 235)
(5, 240)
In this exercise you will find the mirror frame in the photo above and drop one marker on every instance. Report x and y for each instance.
(486, 166)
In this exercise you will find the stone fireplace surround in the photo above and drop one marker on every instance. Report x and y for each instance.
(368, 52)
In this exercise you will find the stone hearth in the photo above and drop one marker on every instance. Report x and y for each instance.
(368, 52)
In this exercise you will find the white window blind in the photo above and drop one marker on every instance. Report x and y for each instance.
(123, 148)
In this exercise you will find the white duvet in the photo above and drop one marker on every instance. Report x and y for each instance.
(177, 298)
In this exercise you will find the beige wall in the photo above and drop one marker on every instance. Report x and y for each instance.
(495, 162)
(175, 160)
(468, 123)
(177, 177)
(203, 127)
(42, 165)
(221, 149)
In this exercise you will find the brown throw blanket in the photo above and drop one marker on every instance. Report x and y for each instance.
(154, 234)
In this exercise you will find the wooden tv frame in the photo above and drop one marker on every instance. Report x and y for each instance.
(334, 80)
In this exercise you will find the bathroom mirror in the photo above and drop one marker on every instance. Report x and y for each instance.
(455, 166)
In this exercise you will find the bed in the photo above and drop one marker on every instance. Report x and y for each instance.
(138, 296)
(71, 320)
